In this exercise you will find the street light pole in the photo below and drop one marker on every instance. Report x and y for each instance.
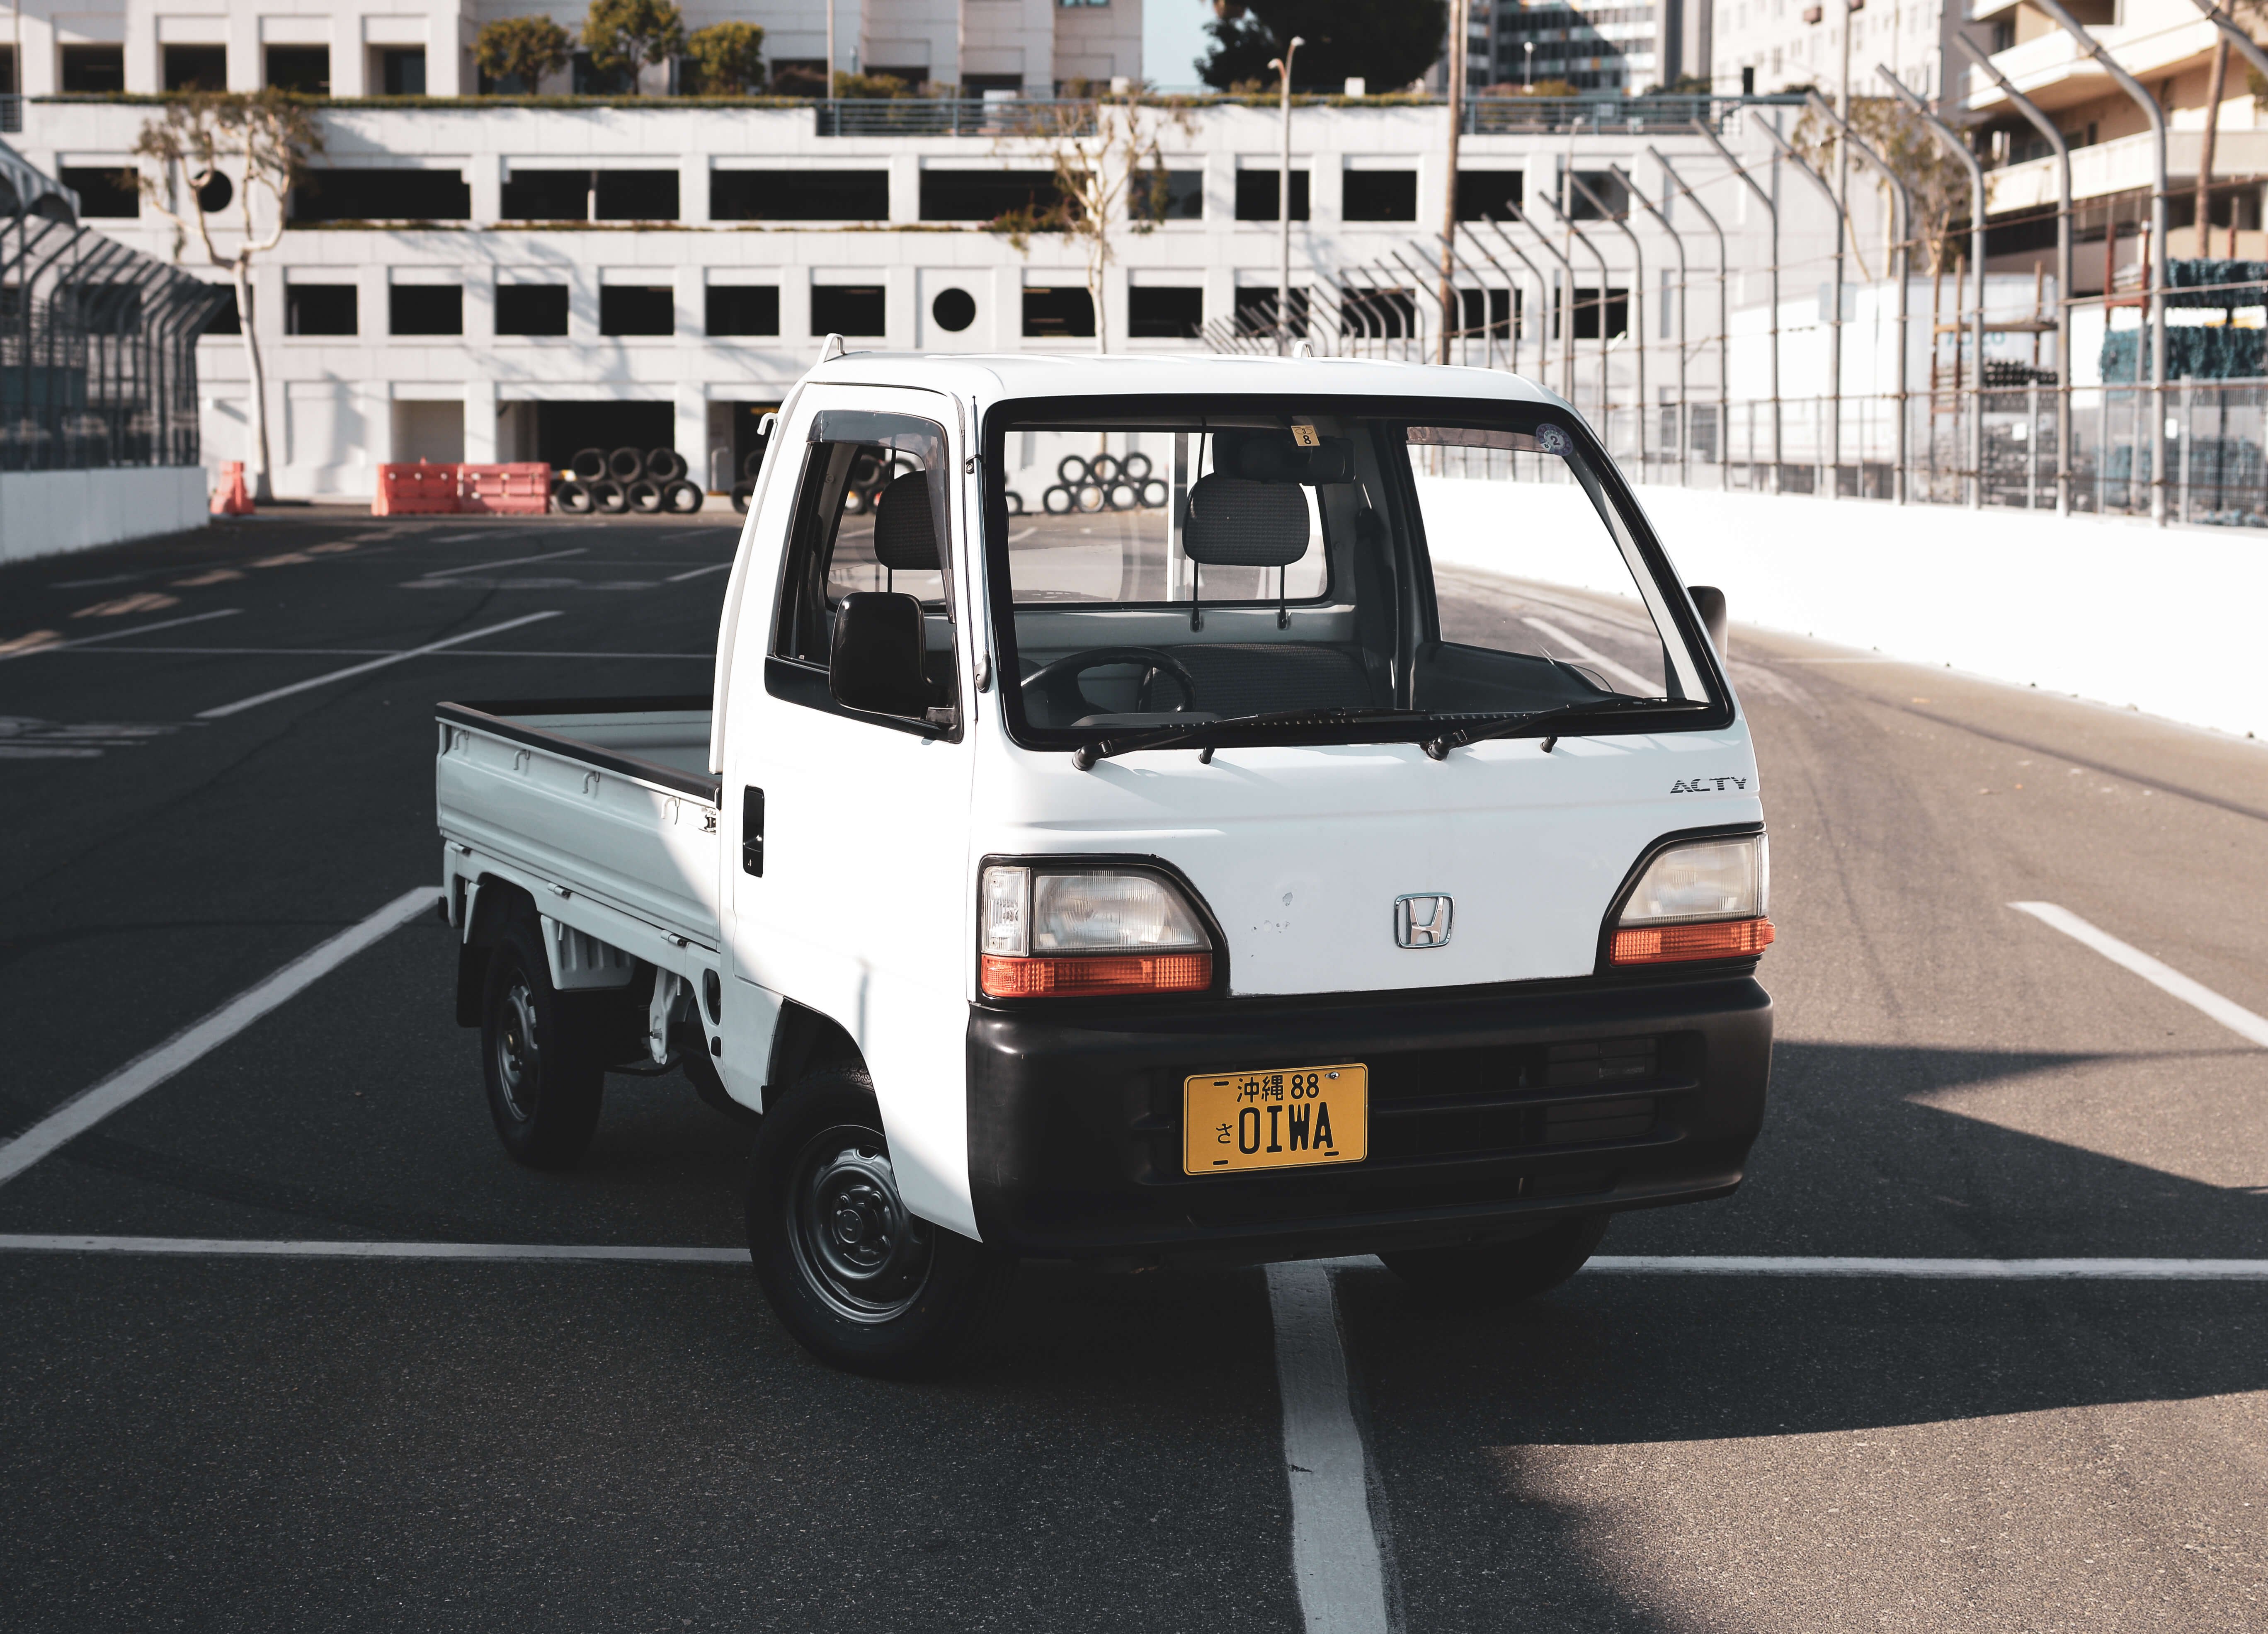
(1284, 206)
(1456, 100)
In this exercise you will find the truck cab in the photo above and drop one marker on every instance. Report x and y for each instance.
(1245, 808)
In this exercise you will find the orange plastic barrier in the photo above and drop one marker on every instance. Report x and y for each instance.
(506, 490)
(231, 499)
(419, 490)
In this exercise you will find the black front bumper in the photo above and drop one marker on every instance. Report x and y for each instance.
(1492, 1112)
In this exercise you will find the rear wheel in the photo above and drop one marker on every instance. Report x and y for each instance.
(544, 1080)
(861, 1282)
(1501, 1273)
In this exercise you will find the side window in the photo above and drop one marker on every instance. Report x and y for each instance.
(869, 517)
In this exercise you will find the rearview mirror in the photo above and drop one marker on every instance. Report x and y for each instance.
(875, 663)
(1709, 602)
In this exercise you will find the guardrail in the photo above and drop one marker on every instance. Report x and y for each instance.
(953, 116)
(1484, 117)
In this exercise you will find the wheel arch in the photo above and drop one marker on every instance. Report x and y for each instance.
(495, 901)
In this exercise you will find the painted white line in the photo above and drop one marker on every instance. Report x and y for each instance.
(1629, 677)
(363, 669)
(113, 635)
(2229, 1014)
(357, 652)
(1955, 1270)
(138, 1077)
(318, 1248)
(714, 567)
(1335, 1560)
(475, 567)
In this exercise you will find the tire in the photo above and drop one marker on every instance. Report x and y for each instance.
(1134, 467)
(862, 1285)
(753, 464)
(607, 496)
(1015, 502)
(1153, 493)
(1103, 469)
(1125, 497)
(643, 496)
(626, 465)
(742, 494)
(682, 497)
(1058, 501)
(664, 465)
(545, 1081)
(589, 464)
(1501, 1273)
(572, 497)
(1070, 470)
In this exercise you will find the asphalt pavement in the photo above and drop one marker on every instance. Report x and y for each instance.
(215, 1441)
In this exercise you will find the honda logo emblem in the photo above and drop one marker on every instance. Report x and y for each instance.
(1422, 921)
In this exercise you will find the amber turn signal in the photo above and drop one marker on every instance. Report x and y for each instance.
(1095, 976)
(1727, 939)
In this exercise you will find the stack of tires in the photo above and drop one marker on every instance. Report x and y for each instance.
(647, 480)
(745, 490)
(1102, 483)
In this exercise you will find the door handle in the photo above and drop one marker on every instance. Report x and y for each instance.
(752, 832)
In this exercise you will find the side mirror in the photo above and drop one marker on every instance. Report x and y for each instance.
(875, 664)
(1709, 602)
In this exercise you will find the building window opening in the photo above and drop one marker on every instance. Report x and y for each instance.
(303, 69)
(402, 72)
(536, 309)
(847, 309)
(319, 309)
(1256, 196)
(94, 71)
(743, 309)
(425, 309)
(637, 309)
(196, 68)
(1164, 312)
(1057, 314)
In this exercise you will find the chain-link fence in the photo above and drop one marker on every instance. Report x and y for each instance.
(97, 342)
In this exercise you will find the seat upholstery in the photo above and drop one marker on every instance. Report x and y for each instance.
(905, 532)
(1235, 523)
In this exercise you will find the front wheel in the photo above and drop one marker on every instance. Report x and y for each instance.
(1501, 1273)
(862, 1284)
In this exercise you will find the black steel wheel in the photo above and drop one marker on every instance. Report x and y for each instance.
(1501, 1273)
(545, 1079)
(862, 1283)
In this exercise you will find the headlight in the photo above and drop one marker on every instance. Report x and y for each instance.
(1088, 931)
(1705, 898)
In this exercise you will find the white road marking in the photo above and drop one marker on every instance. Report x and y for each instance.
(138, 1077)
(115, 634)
(318, 1248)
(1629, 677)
(2229, 1014)
(477, 567)
(363, 669)
(1335, 1559)
(714, 567)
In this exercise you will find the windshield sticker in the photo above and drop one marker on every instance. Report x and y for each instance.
(1549, 439)
(1305, 437)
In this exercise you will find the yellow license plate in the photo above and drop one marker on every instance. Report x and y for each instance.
(1276, 1118)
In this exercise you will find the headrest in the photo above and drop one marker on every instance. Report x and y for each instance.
(905, 533)
(1235, 523)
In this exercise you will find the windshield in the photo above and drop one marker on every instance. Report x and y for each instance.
(1374, 566)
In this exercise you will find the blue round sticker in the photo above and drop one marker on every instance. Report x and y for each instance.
(1550, 440)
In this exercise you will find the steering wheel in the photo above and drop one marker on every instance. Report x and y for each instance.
(1057, 684)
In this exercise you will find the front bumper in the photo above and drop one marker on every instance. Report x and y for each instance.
(1492, 1112)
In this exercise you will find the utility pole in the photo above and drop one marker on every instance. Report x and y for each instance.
(1457, 26)
(1284, 206)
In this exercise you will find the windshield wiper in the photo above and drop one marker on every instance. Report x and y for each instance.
(1204, 734)
(1550, 724)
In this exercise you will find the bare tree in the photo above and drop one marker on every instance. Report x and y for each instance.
(1937, 180)
(267, 139)
(1109, 176)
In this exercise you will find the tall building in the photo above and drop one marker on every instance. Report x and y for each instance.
(1592, 44)
(1760, 47)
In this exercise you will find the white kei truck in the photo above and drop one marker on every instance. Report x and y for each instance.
(1149, 809)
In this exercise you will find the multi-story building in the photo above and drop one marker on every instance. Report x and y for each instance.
(395, 47)
(1592, 44)
(2170, 46)
(1763, 46)
(483, 278)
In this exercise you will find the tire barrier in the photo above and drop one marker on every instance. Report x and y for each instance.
(607, 497)
(682, 497)
(643, 496)
(743, 493)
(665, 466)
(626, 465)
(572, 497)
(1097, 484)
(753, 464)
(1015, 502)
(588, 465)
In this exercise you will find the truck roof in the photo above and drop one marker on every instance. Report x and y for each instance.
(1058, 374)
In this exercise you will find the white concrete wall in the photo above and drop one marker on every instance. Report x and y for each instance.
(2166, 621)
(46, 512)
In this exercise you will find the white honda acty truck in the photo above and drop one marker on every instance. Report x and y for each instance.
(1148, 809)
